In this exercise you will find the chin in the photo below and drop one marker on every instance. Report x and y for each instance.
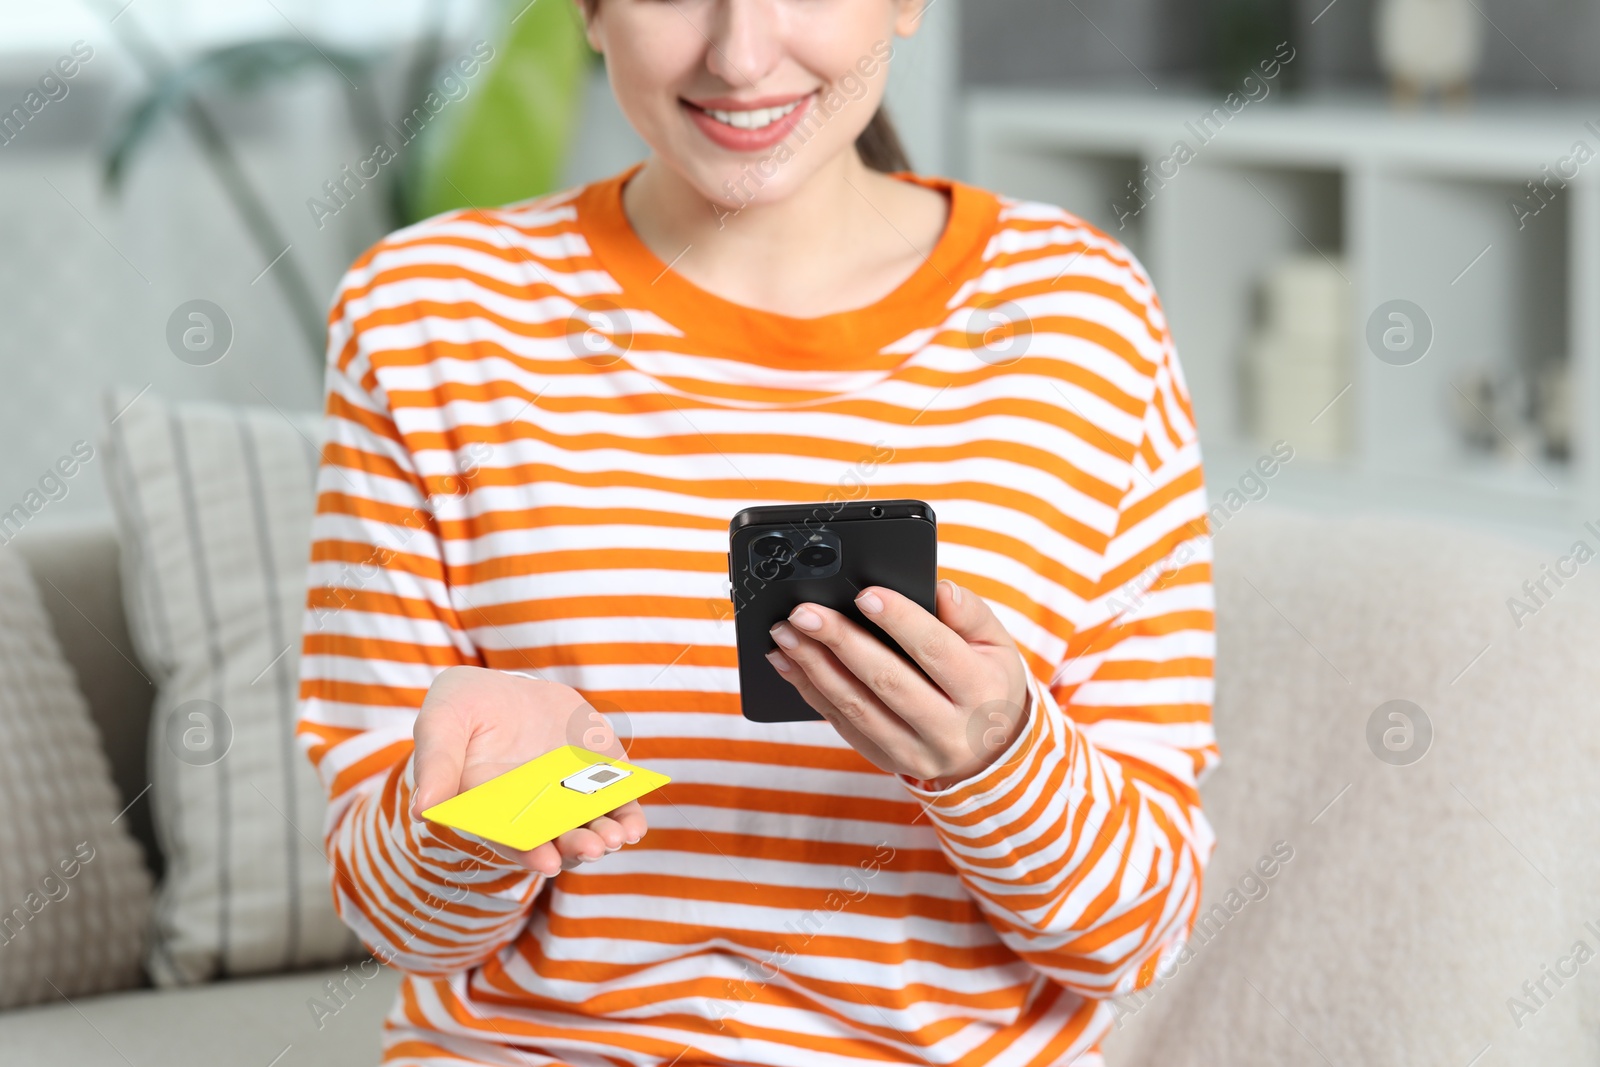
(745, 185)
(733, 182)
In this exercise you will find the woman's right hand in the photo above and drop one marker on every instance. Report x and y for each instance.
(477, 723)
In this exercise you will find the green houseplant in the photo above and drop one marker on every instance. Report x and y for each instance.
(506, 141)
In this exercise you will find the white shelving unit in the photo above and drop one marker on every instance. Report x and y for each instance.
(1410, 205)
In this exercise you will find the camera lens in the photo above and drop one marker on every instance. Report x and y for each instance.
(773, 569)
(773, 546)
(877, 512)
(817, 555)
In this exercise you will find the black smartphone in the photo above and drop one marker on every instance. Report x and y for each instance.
(783, 555)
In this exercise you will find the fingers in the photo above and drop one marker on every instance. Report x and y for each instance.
(589, 843)
(970, 616)
(844, 699)
(869, 663)
(607, 834)
(541, 859)
(630, 817)
(440, 755)
(941, 646)
(580, 845)
(853, 736)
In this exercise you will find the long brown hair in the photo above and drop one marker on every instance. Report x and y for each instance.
(879, 145)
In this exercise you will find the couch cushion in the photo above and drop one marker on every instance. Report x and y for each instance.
(214, 515)
(74, 891)
(254, 1021)
(1409, 899)
(75, 567)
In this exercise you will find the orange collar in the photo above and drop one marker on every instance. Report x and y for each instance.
(852, 339)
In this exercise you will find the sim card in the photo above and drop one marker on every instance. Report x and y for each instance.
(544, 798)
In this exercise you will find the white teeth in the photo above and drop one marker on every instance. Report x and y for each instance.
(754, 119)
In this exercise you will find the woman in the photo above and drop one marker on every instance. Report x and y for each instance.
(540, 420)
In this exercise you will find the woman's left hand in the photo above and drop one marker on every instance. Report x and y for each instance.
(940, 732)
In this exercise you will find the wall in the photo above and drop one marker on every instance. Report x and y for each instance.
(89, 280)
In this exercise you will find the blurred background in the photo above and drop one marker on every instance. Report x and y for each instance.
(1373, 222)
(1375, 229)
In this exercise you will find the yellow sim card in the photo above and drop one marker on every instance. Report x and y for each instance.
(544, 798)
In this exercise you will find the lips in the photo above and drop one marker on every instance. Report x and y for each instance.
(748, 126)
(754, 118)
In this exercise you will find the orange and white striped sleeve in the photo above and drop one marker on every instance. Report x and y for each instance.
(1084, 843)
(379, 626)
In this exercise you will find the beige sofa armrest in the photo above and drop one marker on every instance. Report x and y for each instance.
(77, 569)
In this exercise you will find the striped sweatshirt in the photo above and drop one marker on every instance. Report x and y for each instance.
(536, 434)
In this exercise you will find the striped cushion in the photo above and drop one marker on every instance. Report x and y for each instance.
(214, 505)
(74, 892)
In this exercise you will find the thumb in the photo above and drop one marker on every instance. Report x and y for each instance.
(438, 759)
(970, 616)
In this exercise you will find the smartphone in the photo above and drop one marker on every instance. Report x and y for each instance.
(544, 798)
(783, 555)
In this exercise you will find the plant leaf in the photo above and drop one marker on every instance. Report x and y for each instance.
(239, 70)
(508, 140)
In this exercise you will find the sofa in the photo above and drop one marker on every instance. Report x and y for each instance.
(1408, 890)
(256, 1021)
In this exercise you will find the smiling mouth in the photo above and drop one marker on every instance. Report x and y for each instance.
(753, 118)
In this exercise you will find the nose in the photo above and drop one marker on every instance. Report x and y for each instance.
(746, 41)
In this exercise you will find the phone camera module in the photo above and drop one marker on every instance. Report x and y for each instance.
(794, 555)
(772, 557)
(817, 555)
(877, 512)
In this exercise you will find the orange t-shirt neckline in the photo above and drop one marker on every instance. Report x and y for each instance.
(852, 339)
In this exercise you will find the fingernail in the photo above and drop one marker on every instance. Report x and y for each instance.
(869, 602)
(784, 636)
(633, 839)
(778, 660)
(955, 590)
(805, 618)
